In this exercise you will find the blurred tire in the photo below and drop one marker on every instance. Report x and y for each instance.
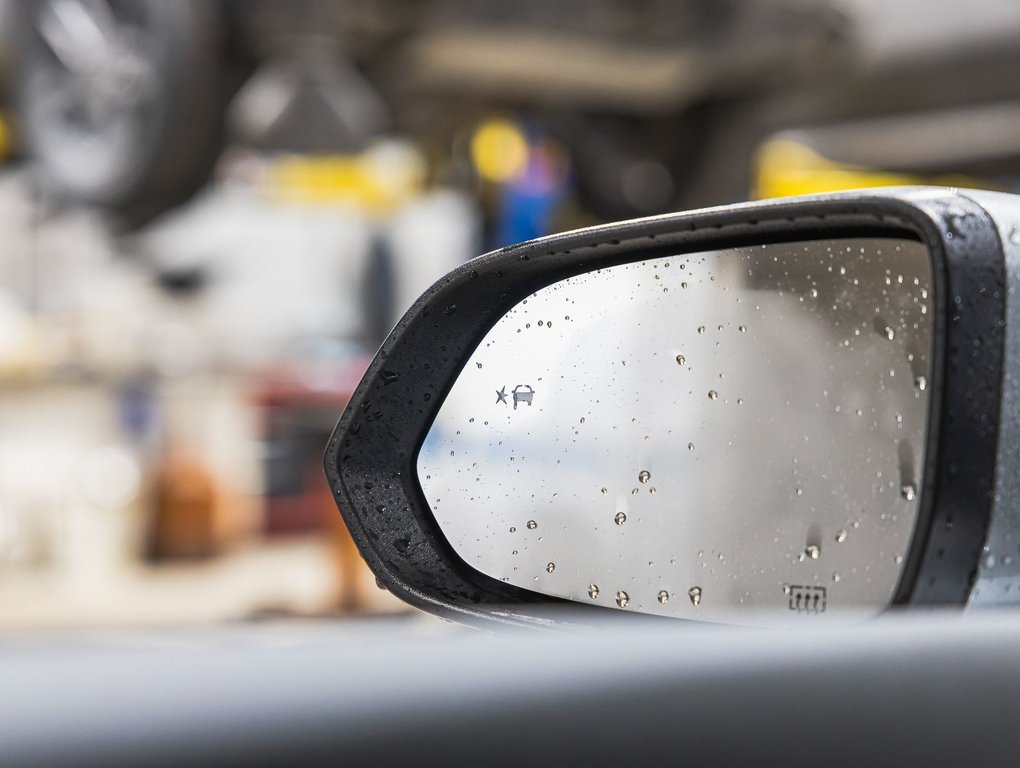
(122, 102)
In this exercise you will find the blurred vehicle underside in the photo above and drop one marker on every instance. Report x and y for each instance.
(126, 104)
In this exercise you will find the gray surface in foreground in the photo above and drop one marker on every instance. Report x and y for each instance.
(912, 690)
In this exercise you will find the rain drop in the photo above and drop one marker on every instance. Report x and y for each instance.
(593, 591)
(621, 518)
(622, 599)
(701, 329)
(690, 447)
(841, 536)
(663, 596)
(681, 360)
(605, 491)
(532, 525)
(889, 333)
(713, 395)
(921, 383)
(695, 594)
(742, 328)
(908, 492)
(644, 476)
(550, 567)
(813, 551)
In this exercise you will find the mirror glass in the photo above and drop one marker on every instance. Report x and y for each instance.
(733, 435)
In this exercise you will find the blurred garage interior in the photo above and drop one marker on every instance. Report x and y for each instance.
(212, 212)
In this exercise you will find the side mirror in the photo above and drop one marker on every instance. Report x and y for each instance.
(769, 412)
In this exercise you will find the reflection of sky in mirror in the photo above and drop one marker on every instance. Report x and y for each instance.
(697, 434)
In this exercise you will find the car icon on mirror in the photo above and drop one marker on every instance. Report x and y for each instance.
(523, 393)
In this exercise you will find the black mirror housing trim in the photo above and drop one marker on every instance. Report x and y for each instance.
(370, 459)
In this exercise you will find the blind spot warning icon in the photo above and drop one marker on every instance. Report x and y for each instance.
(523, 393)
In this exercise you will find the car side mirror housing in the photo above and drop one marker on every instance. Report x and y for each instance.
(792, 410)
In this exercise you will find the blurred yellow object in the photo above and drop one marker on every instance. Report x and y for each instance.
(786, 167)
(379, 179)
(499, 151)
(5, 137)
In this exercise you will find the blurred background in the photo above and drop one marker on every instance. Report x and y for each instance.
(212, 211)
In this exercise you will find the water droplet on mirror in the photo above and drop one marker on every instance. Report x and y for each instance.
(889, 333)
(512, 529)
(605, 491)
(921, 383)
(742, 328)
(841, 536)
(644, 476)
(908, 492)
(550, 567)
(681, 360)
(695, 594)
(634, 492)
(621, 518)
(532, 525)
(701, 329)
(813, 551)
(690, 447)
(713, 395)
(663, 596)
(593, 591)
(622, 599)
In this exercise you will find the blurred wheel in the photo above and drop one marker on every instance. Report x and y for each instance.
(121, 100)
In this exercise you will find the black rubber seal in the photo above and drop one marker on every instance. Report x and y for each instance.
(371, 457)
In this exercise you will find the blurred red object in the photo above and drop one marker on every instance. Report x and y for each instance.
(300, 402)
